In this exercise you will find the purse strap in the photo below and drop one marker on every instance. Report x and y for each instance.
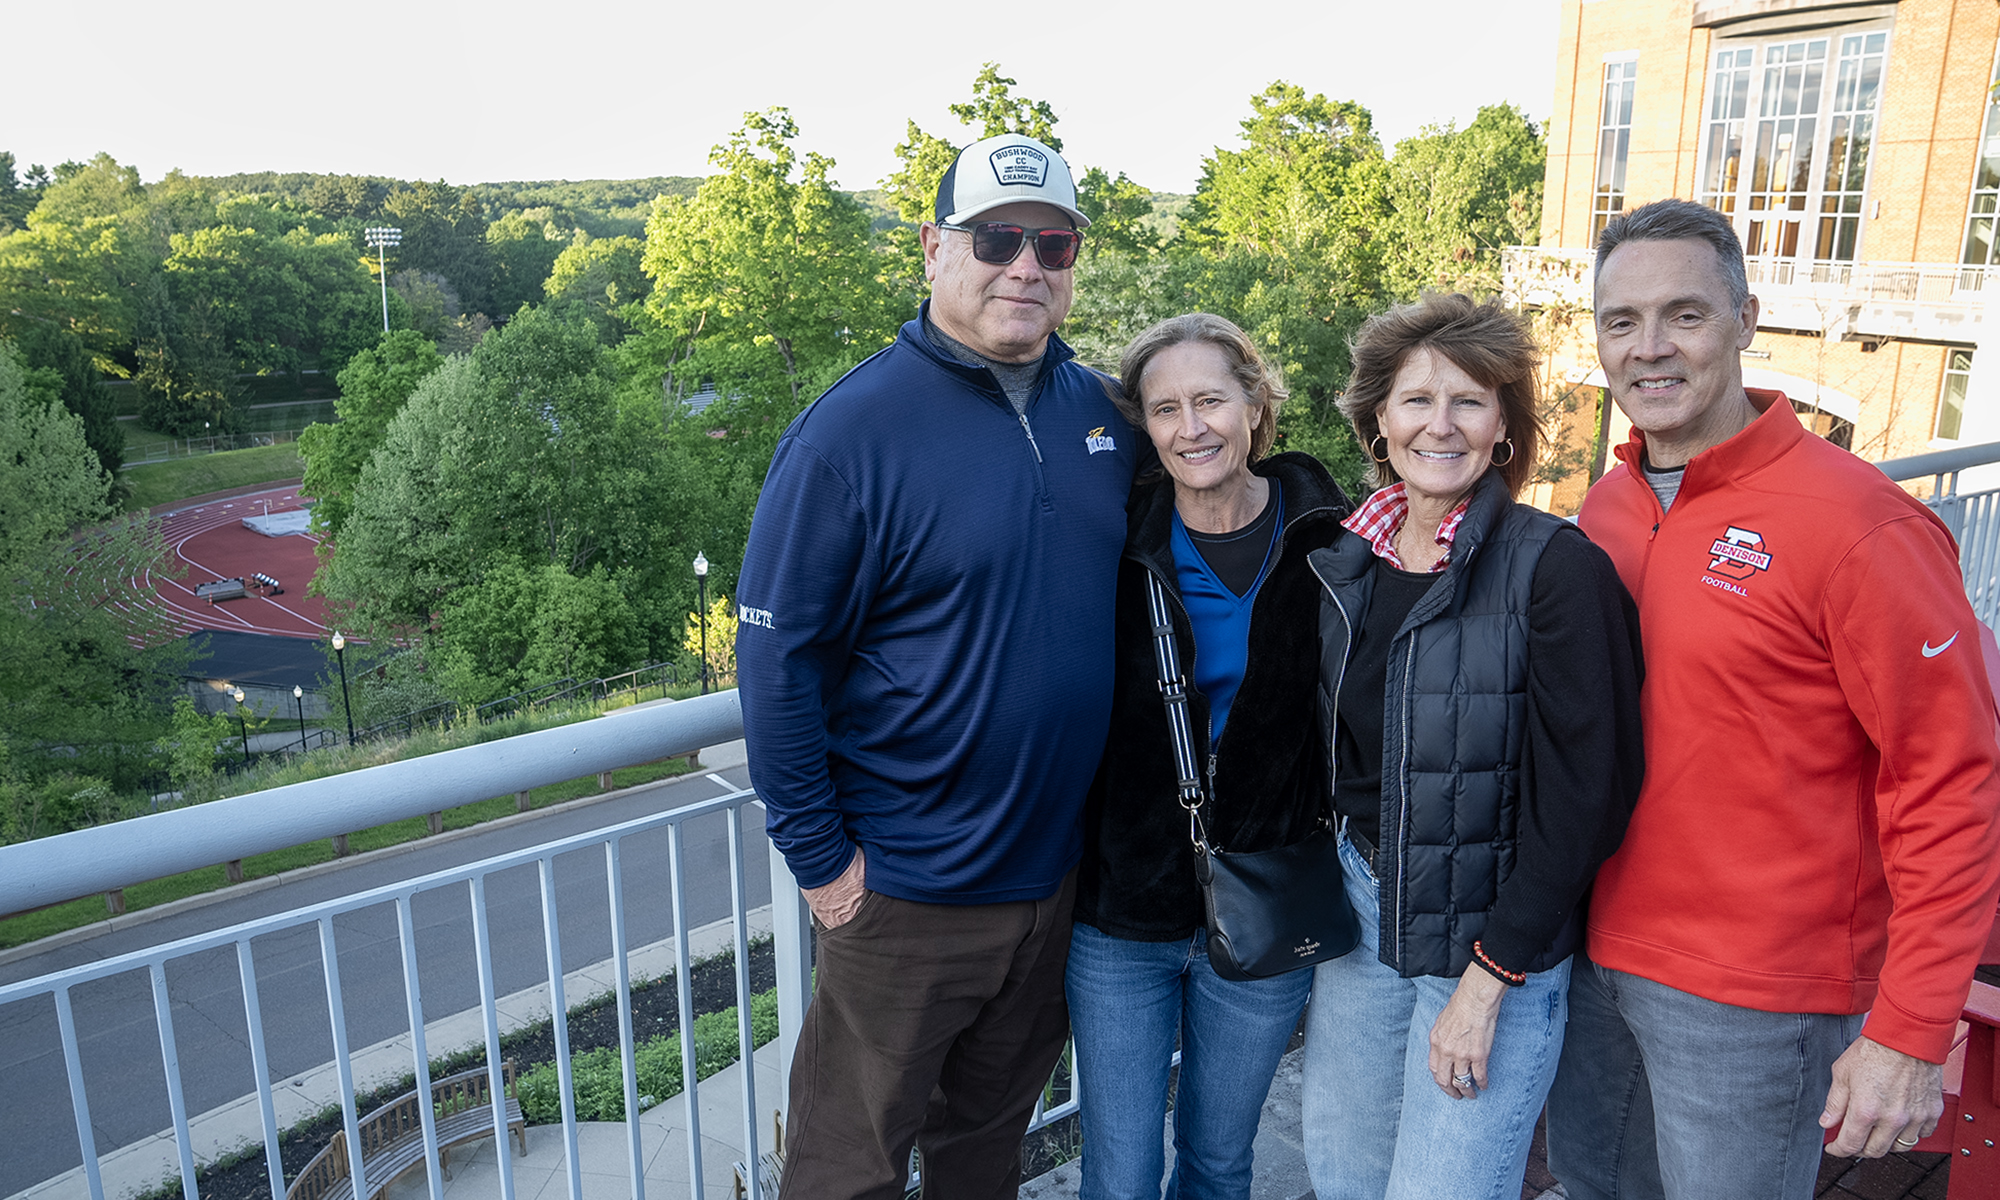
(1173, 690)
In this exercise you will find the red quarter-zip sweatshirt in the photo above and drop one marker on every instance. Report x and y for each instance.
(1817, 831)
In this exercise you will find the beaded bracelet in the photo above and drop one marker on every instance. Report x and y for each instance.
(1510, 978)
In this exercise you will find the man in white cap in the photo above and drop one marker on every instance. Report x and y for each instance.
(924, 654)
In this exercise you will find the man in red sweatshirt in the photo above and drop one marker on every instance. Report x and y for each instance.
(1782, 944)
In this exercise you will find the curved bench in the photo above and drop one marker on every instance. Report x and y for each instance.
(392, 1137)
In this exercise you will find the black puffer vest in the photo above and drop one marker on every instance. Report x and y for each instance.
(1455, 728)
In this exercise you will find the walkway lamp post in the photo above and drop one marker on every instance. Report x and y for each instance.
(236, 694)
(379, 239)
(299, 698)
(346, 706)
(701, 605)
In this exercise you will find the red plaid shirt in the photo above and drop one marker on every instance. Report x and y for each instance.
(1381, 517)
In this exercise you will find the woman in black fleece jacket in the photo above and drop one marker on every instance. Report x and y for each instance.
(1226, 533)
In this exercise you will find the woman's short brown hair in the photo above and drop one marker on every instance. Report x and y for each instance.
(1258, 377)
(1482, 339)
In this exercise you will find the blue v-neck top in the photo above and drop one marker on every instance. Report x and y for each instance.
(1221, 620)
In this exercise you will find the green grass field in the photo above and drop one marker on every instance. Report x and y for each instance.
(177, 479)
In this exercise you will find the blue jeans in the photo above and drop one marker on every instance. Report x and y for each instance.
(1376, 1124)
(1127, 1002)
(1663, 1093)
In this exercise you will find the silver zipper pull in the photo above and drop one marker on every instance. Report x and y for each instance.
(1032, 444)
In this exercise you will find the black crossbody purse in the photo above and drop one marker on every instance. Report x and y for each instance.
(1269, 911)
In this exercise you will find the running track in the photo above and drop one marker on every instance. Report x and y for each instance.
(212, 541)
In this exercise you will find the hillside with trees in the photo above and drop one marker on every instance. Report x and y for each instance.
(583, 382)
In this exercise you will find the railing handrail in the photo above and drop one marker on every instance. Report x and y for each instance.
(69, 977)
(86, 861)
(1941, 462)
(1586, 254)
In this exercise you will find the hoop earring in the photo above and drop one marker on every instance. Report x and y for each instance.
(1384, 455)
(1509, 443)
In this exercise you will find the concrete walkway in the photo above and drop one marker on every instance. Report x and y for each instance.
(604, 1152)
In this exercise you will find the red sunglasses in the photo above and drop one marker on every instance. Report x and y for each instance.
(999, 243)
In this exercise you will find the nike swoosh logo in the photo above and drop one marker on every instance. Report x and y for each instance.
(1931, 651)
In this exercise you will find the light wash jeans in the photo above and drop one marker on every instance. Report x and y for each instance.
(1127, 1002)
(1663, 1093)
(1376, 1124)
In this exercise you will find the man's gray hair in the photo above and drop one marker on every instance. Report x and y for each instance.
(1678, 220)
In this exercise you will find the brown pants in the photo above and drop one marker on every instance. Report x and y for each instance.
(932, 1024)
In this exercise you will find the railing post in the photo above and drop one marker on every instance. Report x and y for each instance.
(791, 945)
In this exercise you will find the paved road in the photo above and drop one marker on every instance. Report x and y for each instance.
(120, 1043)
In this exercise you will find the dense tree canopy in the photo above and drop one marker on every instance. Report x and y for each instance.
(586, 380)
(374, 386)
(767, 260)
(81, 699)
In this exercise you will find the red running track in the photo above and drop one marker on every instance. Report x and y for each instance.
(211, 539)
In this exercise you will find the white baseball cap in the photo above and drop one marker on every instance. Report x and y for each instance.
(1006, 170)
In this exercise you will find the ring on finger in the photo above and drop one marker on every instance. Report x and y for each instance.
(1909, 1143)
(1464, 1080)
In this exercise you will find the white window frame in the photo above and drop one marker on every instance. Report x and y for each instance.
(1988, 145)
(1798, 231)
(1607, 198)
(1958, 372)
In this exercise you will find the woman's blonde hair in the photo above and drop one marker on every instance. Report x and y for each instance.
(1254, 373)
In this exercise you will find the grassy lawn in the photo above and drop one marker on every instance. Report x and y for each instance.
(76, 913)
(177, 479)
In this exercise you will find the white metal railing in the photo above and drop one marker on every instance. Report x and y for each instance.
(1546, 276)
(1972, 517)
(1838, 299)
(88, 861)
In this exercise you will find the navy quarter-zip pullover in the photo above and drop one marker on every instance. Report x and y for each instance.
(925, 611)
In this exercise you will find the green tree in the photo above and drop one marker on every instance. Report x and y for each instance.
(81, 697)
(521, 626)
(17, 197)
(1287, 228)
(48, 347)
(102, 187)
(1456, 197)
(374, 386)
(444, 230)
(1118, 210)
(523, 251)
(80, 278)
(53, 483)
(768, 256)
(517, 452)
(600, 277)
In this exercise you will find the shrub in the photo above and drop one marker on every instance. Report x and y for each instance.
(598, 1076)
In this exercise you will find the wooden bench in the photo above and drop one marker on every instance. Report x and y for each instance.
(392, 1137)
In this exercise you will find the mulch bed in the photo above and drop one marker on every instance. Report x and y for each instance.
(655, 1013)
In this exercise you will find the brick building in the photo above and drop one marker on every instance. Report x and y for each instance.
(1856, 147)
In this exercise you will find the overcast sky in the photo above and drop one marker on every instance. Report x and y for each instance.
(620, 89)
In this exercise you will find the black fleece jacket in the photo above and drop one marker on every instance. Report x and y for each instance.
(1137, 877)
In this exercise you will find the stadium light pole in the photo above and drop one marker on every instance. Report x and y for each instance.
(346, 706)
(380, 238)
(701, 605)
(237, 695)
(299, 698)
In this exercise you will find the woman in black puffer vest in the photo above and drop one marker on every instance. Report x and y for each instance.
(1225, 532)
(1480, 671)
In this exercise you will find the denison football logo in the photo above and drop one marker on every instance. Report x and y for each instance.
(1738, 554)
